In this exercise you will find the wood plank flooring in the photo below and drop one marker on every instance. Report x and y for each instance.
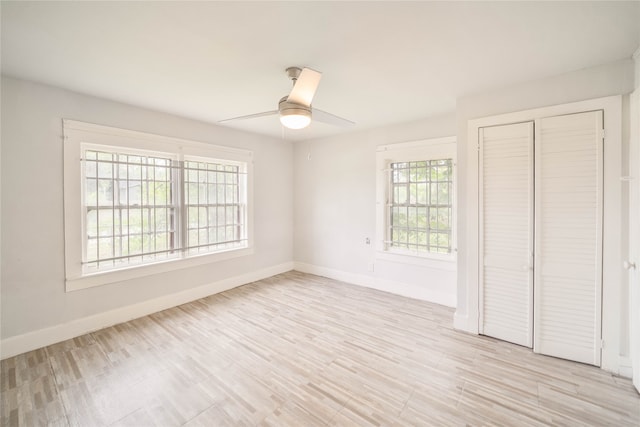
(301, 350)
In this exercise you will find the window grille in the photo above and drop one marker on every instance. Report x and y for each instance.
(420, 208)
(212, 199)
(142, 208)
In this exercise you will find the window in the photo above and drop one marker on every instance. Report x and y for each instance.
(149, 202)
(420, 207)
(215, 206)
(416, 199)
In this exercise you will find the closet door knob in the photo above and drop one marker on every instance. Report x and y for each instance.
(629, 265)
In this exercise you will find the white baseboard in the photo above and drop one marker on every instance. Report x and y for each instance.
(625, 367)
(461, 323)
(393, 287)
(19, 344)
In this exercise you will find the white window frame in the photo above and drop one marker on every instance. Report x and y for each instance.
(428, 149)
(77, 137)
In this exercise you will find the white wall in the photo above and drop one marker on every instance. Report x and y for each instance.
(335, 211)
(32, 289)
(609, 79)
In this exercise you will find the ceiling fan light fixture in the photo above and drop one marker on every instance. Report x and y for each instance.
(295, 118)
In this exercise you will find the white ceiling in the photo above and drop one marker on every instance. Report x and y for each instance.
(382, 62)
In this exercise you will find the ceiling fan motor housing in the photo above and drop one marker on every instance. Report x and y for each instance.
(288, 108)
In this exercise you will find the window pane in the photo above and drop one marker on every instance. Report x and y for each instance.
(412, 220)
(134, 171)
(443, 218)
(413, 173)
(135, 193)
(395, 216)
(105, 170)
(433, 218)
(230, 193)
(434, 194)
(203, 237)
(402, 217)
(222, 236)
(203, 194)
(91, 192)
(443, 193)
(161, 191)
(92, 250)
(105, 192)
(211, 191)
(421, 214)
(402, 172)
(421, 194)
(193, 238)
(91, 169)
(402, 195)
(105, 248)
(135, 243)
(443, 240)
(413, 194)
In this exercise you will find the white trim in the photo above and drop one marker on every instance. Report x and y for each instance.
(19, 344)
(626, 370)
(393, 287)
(612, 255)
(633, 191)
(446, 263)
(155, 141)
(113, 276)
(417, 144)
(461, 323)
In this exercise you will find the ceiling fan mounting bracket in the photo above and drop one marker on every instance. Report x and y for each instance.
(293, 73)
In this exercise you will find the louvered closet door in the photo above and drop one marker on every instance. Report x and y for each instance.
(568, 268)
(506, 232)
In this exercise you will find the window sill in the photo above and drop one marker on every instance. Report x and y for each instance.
(436, 261)
(113, 276)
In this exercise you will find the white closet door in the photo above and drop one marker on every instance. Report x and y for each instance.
(506, 232)
(568, 267)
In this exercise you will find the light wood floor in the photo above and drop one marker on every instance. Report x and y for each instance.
(300, 350)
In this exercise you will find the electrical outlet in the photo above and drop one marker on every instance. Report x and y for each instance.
(367, 241)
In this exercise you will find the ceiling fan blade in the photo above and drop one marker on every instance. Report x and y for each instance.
(332, 119)
(251, 116)
(305, 87)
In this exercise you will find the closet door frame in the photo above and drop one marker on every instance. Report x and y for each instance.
(466, 317)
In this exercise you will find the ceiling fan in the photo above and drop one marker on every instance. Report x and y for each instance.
(295, 109)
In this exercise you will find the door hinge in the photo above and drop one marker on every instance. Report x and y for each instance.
(602, 344)
(603, 134)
